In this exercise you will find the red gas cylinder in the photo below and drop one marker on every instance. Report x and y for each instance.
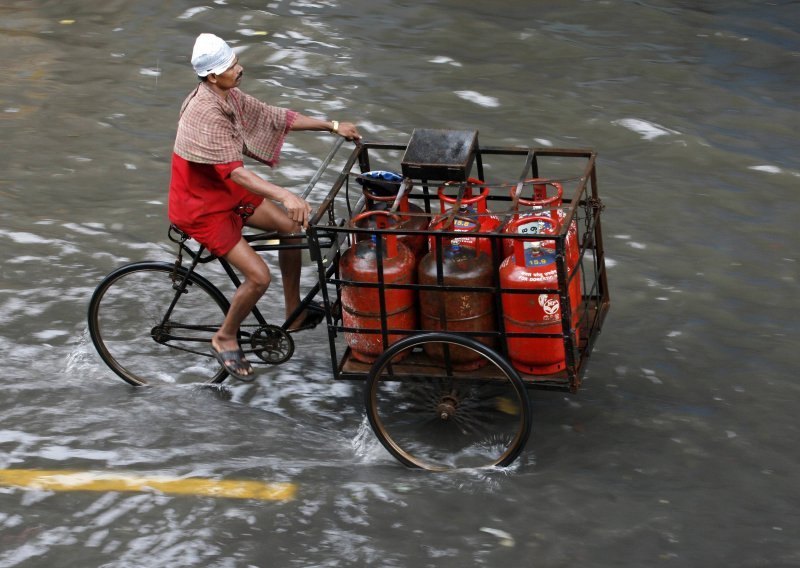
(472, 212)
(546, 201)
(361, 305)
(531, 267)
(381, 189)
(457, 310)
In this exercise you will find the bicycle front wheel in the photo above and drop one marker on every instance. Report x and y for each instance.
(436, 418)
(148, 333)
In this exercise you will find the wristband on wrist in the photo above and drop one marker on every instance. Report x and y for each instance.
(335, 127)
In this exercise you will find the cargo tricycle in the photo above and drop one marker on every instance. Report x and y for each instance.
(455, 279)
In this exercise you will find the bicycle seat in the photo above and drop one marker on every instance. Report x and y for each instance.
(176, 235)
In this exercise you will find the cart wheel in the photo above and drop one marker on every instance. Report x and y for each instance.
(437, 420)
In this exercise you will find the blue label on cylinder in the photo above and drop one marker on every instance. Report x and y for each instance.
(540, 258)
(463, 224)
(466, 212)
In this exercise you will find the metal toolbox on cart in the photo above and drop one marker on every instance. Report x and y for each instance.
(439, 155)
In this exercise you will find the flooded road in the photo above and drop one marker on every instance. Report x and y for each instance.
(678, 451)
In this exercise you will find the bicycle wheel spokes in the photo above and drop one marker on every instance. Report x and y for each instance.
(443, 422)
(128, 326)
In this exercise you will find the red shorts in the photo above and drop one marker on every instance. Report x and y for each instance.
(220, 232)
(207, 205)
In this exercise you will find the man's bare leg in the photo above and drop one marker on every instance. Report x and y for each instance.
(290, 262)
(256, 281)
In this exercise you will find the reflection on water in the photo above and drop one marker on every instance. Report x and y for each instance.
(679, 448)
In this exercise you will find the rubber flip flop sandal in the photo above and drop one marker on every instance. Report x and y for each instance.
(232, 361)
(315, 315)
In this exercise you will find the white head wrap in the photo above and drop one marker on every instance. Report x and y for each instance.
(211, 55)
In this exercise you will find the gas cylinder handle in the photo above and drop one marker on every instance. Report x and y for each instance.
(382, 221)
(397, 201)
(540, 199)
(465, 198)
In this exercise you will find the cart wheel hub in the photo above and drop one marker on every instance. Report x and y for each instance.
(446, 408)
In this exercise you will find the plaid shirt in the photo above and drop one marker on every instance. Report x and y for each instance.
(216, 131)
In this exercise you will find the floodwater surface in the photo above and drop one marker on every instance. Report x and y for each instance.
(680, 448)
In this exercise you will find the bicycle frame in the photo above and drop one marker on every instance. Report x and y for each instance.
(200, 255)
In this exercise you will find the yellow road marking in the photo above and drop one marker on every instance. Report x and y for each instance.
(508, 406)
(65, 480)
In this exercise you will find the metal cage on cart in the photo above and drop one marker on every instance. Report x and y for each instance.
(436, 165)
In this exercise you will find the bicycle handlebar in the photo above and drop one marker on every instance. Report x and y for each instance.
(316, 177)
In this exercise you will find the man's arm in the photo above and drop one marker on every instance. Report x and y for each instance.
(297, 209)
(346, 129)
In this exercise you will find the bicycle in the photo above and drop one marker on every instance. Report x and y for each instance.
(153, 321)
